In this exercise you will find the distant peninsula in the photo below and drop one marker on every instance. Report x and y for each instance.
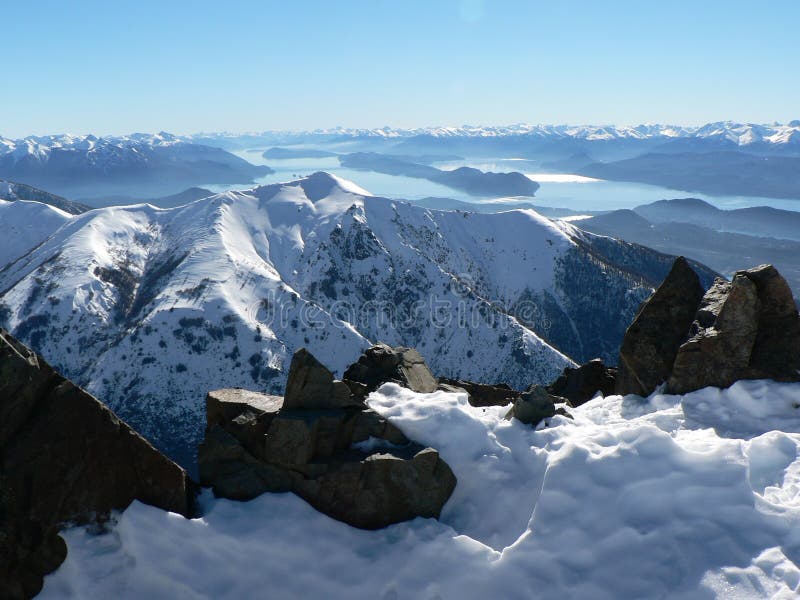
(466, 179)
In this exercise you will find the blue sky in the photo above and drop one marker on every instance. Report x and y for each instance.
(114, 67)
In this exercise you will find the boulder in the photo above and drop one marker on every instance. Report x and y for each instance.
(65, 458)
(535, 405)
(342, 458)
(311, 385)
(651, 343)
(580, 384)
(746, 329)
(776, 352)
(382, 363)
(481, 394)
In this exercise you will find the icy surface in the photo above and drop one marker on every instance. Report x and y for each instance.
(667, 497)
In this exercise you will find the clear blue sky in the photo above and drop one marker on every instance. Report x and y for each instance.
(117, 67)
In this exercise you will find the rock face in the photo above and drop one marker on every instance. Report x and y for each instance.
(65, 458)
(722, 337)
(535, 405)
(776, 352)
(337, 454)
(579, 385)
(481, 394)
(311, 385)
(651, 342)
(746, 329)
(382, 363)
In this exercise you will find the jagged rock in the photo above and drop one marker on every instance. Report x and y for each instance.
(481, 394)
(748, 328)
(652, 341)
(346, 461)
(579, 385)
(776, 352)
(382, 363)
(535, 405)
(311, 385)
(65, 458)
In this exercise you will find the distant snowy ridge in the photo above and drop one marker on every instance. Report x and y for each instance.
(742, 134)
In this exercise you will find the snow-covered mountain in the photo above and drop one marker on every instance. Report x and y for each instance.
(150, 308)
(91, 165)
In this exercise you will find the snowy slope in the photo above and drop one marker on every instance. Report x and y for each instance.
(25, 225)
(670, 497)
(151, 308)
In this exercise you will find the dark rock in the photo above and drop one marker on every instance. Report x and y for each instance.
(652, 341)
(746, 329)
(65, 458)
(579, 385)
(382, 363)
(722, 338)
(481, 394)
(346, 461)
(535, 405)
(311, 385)
(776, 352)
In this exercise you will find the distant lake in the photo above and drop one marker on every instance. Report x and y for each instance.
(557, 189)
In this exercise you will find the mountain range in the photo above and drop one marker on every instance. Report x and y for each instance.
(150, 308)
(92, 167)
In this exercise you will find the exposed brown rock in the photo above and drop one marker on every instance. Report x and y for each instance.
(535, 405)
(481, 394)
(651, 342)
(312, 385)
(580, 384)
(346, 461)
(746, 329)
(776, 352)
(65, 458)
(722, 338)
(381, 363)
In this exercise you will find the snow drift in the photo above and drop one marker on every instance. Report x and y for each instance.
(666, 497)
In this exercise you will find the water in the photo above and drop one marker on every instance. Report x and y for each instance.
(557, 189)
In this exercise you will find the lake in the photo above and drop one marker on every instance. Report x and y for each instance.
(557, 189)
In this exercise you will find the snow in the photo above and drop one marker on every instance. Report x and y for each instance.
(25, 226)
(666, 497)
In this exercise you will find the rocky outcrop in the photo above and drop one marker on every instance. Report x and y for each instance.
(382, 363)
(652, 341)
(722, 337)
(333, 451)
(481, 394)
(65, 459)
(746, 329)
(776, 352)
(580, 384)
(535, 405)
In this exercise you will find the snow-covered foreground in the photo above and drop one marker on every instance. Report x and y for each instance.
(666, 497)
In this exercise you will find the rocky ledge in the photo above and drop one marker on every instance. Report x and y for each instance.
(323, 443)
(65, 459)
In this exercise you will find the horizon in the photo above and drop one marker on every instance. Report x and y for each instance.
(253, 66)
(420, 128)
